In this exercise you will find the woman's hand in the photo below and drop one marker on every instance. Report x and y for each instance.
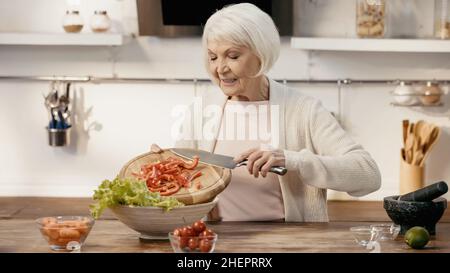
(261, 160)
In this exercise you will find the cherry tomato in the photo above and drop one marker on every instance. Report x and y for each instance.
(184, 241)
(193, 243)
(207, 233)
(177, 232)
(187, 231)
(205, 245)
(199, 227)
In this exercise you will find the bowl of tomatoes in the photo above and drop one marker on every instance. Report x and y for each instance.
(65, 232)
(193, 238)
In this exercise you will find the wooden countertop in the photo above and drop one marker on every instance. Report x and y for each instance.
(19, 233)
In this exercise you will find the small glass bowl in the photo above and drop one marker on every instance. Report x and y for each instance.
(192, 244)
(388, 231)
(65, 233)
(365, 234)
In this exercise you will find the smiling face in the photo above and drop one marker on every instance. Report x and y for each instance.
(233, 68)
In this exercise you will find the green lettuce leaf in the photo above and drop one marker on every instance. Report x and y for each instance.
(130, 192)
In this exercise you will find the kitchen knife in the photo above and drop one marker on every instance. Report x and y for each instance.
(218, 160)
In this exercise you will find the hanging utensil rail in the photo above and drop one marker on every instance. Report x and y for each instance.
(93, 79)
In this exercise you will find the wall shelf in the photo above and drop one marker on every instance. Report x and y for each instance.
(372, 45)
(60, 39)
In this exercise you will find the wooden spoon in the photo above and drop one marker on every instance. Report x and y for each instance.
(419, 158)
(425, 135)
(434, 136)
(411, 128)
(419, 127)
(430, 137)
(423, 132)
(409, 148)
(417, 154)
(405, 130)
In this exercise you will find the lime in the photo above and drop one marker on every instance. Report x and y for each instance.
(417, 237)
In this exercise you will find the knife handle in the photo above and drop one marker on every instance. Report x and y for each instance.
(275, 169)
(278, 170)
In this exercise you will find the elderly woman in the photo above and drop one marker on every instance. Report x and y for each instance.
(241, 44)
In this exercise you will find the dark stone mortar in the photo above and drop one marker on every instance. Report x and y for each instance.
(408, 214)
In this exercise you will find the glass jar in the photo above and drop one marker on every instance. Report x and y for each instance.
(431, 94)
(370, 18)
(442, 19)
(405, 95)
(72, 21)
(100, 21)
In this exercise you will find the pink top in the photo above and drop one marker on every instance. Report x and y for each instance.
(247, 198)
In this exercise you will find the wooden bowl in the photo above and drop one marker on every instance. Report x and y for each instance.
(213, 179)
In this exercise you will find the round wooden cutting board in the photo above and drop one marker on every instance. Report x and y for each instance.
(213, 179)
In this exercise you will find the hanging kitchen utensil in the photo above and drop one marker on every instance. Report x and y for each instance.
(52, 124)
(61, 123)
(64, 101)
(55, 94)
(51, 100)
(68, 91)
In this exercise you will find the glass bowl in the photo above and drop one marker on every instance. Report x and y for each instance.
(65, 232)
(388, 231)
(192, 244)
(365, 234)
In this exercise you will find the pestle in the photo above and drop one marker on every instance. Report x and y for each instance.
(427, 193)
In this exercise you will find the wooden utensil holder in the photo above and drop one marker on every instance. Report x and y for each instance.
(411, 177)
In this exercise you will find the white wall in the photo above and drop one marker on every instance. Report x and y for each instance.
(126, 118)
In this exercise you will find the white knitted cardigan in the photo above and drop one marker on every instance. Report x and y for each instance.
(320, 155)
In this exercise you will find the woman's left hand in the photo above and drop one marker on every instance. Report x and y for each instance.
(259, 160)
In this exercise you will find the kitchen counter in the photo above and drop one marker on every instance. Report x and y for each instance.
(22, 235)
(19, 233)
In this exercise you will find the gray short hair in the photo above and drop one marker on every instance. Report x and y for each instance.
(245, 25)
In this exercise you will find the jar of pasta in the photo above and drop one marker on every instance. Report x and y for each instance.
(431, 94)
(370, 18)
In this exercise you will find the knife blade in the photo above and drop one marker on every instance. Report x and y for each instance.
(219, 160)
